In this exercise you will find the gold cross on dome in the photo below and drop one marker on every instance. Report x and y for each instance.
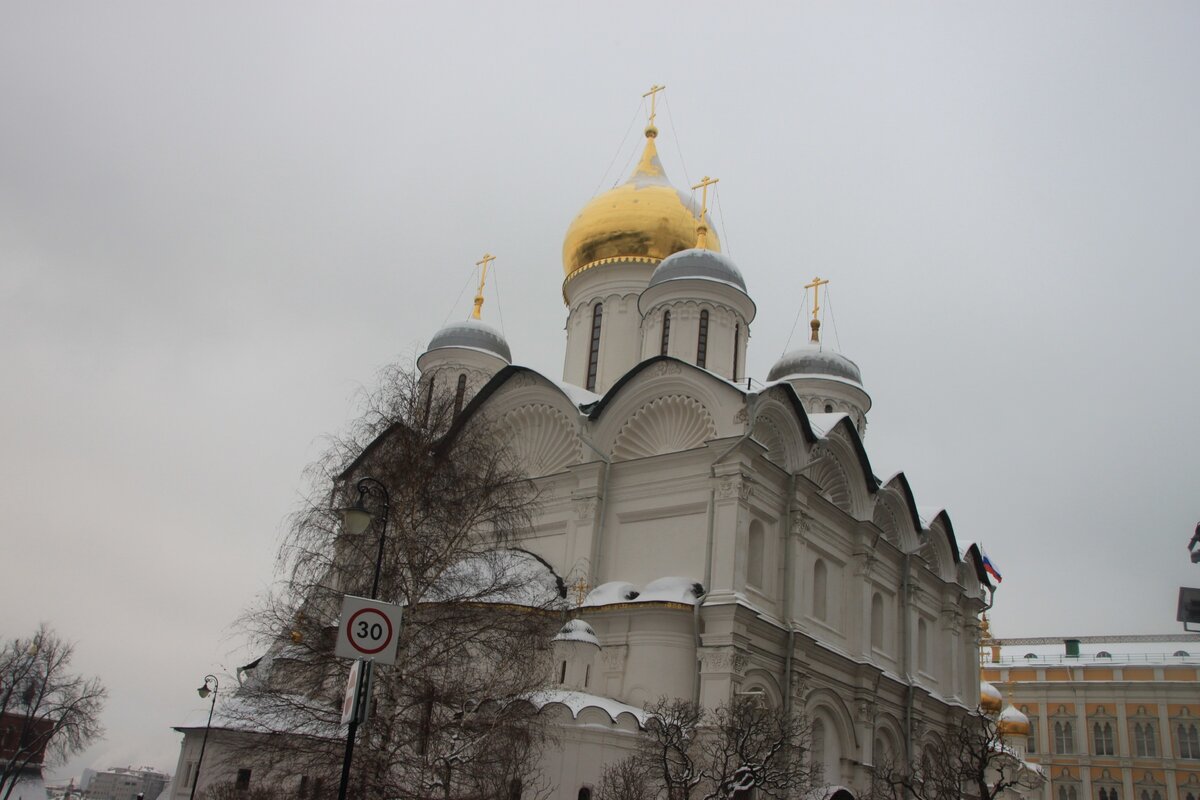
(652, 94)
(487, 259)
(703, 185)
(816, 285)
(580, 589)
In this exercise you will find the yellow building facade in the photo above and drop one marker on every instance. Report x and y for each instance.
(1106, 726)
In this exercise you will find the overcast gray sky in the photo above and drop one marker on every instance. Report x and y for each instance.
(218, 220)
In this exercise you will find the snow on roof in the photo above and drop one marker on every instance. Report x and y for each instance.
(578, 701)
(659, 590)
(576, 630)
(578, 395)
(822, 424)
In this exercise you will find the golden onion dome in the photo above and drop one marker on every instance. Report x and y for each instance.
(1013, 722)
(990, 699)
(644, 219)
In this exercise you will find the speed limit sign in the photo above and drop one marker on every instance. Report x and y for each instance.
(368, 629)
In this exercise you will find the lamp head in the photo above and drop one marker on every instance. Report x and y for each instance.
(356, 518)
(204, 691)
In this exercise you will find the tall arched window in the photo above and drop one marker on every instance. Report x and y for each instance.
(754, 558)
(594, 347)
(429, 396)
(702, 341)
(922, 646)
(666, 335)
(460, 393)
(737, 334)
(1103, 736)
(1064, 740)
(877, 621)
(820, 580)
(585, 793)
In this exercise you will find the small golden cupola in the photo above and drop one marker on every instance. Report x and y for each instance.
(643, 220)
(990, 699)
(1013, 722)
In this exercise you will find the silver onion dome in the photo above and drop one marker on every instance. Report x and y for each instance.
(474, 335)
(813, 359)
(699, 264)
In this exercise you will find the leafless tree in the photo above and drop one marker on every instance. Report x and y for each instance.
(450, 719)
(745, 748)
(47, 713)
(969, 760)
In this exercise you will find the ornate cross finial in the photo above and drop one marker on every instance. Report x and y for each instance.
(816, 285)
(652, 94)
(487, 259)
(701, 226)
(580, 588)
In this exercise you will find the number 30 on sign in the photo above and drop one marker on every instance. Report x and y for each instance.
(368, 629)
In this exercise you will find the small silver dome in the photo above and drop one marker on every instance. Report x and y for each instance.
(813, 359)
(701, 264)
(472, 334)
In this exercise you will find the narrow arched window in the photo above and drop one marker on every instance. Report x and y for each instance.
(460, 393)
(594, 347)
(819, 589)
(922, 646)
(702, 341)
(562, 673)
(754, 559)
(429, 395)
(877, 621)
(666, 334)
(585, 793)
(1112, 794)
(1103, 794)
(737, 334)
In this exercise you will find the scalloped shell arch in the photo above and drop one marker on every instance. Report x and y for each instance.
(542, 439)
(831, 477)
(665, 425)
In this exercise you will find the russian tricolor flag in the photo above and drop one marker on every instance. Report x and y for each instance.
(989, 567)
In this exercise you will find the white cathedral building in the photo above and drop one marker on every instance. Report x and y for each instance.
(728, 539)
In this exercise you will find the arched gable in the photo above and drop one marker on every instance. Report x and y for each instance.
(895, 514)
(779, 429)
(937, 548)
(973, 560)
(666, 424)
(840, 474)
(665, 405)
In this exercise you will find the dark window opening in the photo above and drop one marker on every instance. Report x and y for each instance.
(460, 393)
(594, 348)
(429, 396)
(514, 789)
(562, 673)
(737, 334)
(585, 793)
(666, 335)
(243, 780)
(702, 341)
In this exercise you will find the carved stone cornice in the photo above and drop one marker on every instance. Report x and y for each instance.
(728, 660)
(738, 486)
(584, 508)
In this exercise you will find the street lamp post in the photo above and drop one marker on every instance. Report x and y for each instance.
(204, 692)
(356, 520)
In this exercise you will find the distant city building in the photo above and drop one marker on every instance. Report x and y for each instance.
(127, 783)
(1106, 725)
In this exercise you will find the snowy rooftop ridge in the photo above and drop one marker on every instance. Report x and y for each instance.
(660, 590)
(578, 701)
